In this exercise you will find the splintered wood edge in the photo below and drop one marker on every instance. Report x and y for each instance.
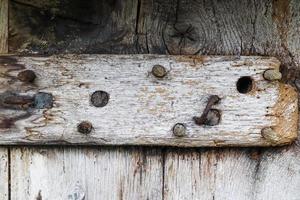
(286, 111)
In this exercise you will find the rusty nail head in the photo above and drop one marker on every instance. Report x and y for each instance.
(179, 130)
(210, 117)
(213, 117)
(27, 76)
(99, 98)
(85, 127)
(159, 71)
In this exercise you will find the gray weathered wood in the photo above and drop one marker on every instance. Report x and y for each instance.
(78, 174)
(4, 152)
(230, 174)
(4, 174)
(266, 27)
(3, 26)
(142, 109)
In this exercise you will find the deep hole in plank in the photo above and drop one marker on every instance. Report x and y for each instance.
(244, 84)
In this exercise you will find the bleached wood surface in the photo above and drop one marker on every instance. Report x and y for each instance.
(4, 179)
(218, 27)
(86, 174)
(4, 152)
(143, 109)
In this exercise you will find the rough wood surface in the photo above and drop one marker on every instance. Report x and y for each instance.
(265, 27)
(142, 109)
(3, 26)
(78, 174)
(4, 152)
(4, 173)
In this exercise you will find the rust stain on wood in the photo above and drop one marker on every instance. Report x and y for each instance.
(286, 112)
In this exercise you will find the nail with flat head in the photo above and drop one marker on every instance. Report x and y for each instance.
(99, 98)
(27, 76)
(272, 75)
(85, 127)
(270, 135)
(159, 71)
(179, 130)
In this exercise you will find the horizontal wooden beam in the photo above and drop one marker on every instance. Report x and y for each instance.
(189, 101)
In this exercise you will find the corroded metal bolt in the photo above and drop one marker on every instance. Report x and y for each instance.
(272, 75)
(213, 117)
(99, 98)
(270, 135)
(179, 130)
(159, 71)
(27, 76)
(209, 116)
(85, 127)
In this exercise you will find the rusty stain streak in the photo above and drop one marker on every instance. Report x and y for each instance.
(13, 101)
(9, 122)
(281, 14)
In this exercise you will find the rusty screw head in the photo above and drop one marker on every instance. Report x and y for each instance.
(179, 130)
(85, 127)
(27, 76)
(99, 98)
(159, 71)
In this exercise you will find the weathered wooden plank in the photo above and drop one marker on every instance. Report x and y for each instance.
(4, 173)
(143, 109)
(77, 174)
(224, 27)
(230, 174)
(3, 26)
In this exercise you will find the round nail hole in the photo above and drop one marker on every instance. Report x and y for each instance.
(244, 84)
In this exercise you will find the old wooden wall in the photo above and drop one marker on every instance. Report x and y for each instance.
(234, 27)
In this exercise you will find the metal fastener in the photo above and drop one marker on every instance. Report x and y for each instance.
(270, 135)
(159, 71)
(179, 130)
(99, 98)
(272, 75)
(209, 116)
(27, 76)
(85, 127)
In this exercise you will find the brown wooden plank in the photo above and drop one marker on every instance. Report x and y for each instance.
(3, 26)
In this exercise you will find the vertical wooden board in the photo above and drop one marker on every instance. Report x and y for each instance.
(3, 26)
(86, 173)
(278, 175)
(4, 179)
(189, 175)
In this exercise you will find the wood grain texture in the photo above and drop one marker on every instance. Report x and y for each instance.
(143, 109)
(230, 174)
(4, 174)
(3, 26)
(78, 174)
(4, 152)
(265, 27)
